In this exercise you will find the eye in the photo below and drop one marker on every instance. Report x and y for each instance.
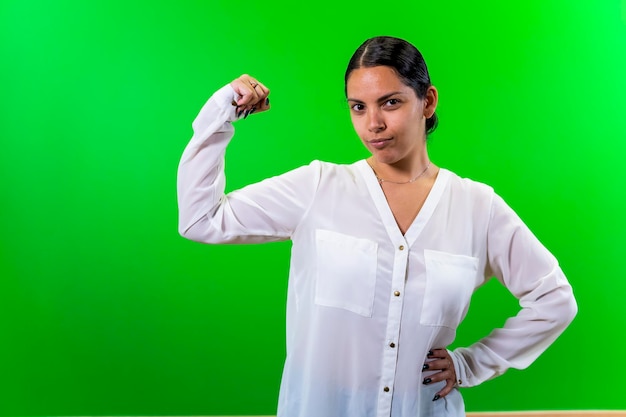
(392, 102)
(357, 107)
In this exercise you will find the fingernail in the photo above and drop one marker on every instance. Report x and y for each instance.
(247, 114)
(239, 113)
(267, 101)
(427, 380)
(436, 397)
(430, 353)
(252, 110)
(425, 367)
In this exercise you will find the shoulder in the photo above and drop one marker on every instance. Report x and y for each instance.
(466, 187)
(335, 171)
(319, 172)
(468, 193)
(468, 198)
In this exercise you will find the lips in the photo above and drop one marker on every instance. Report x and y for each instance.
(379, 142)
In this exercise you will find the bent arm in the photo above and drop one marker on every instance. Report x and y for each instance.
(267, 211)
(200, 179)
(533, 276)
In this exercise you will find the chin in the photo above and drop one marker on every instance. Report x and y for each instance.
(385, 157)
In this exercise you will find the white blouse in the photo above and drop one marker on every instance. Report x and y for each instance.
(365, 302)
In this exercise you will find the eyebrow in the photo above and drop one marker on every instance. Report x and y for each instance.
(382, 98)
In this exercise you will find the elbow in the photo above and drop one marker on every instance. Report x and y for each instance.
(184, 232)
(569, 304)
(566, 309)
(200, 231)
(189, 231)
(566, 314)
(557, 308)
(560, 305)
(571, 309)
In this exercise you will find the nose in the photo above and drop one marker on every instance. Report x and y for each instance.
(375, 120)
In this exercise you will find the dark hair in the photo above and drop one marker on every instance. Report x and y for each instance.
(400, 55)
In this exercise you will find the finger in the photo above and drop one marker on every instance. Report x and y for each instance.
(242, 91)
(449, 376)
(439, 364)
(438, 353)
(253, 96)
(262, 90)
(244, 86)
(440, 360)
(445, 390)
(439, 376)
(256, 91)
(263, 103)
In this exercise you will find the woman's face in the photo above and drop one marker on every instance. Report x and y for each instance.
(387, 114)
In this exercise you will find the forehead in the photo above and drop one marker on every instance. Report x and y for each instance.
(374, 82)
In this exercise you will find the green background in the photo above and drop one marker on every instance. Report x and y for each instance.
(105, 310)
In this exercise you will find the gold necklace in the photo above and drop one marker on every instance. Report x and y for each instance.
(381, 180)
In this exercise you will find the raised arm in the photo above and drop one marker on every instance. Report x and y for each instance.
(266, 211)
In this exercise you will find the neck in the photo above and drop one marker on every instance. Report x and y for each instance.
(402, 171)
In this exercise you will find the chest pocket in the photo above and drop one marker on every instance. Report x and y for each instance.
(346, 272)
(450, 281)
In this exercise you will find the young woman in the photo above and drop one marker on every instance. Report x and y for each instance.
(386, 251)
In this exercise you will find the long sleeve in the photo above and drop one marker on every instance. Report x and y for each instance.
(534, 277)
(267, 211)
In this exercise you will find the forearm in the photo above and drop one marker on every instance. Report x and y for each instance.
(524, 337)
(200, 180)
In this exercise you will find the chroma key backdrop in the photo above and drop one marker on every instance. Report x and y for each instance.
(106, 310)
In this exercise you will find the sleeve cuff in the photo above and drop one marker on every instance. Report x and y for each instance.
(461, 378)
(224, 98)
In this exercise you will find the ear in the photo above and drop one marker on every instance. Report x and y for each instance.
(430, 101)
